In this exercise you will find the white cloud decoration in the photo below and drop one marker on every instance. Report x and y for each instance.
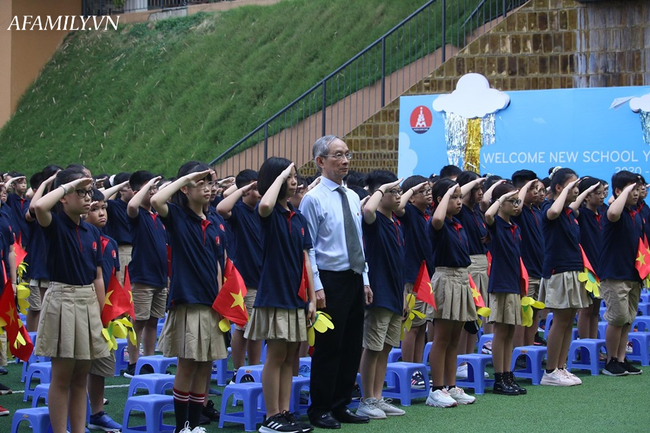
(472, 98)
(640, 104)
(408, 158)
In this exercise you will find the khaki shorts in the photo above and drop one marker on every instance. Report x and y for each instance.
(249, 301)
(420, 306)
(124, 253)
(381, 327)
(533, 288)
(104, 367)
(149, 301)
(35, 287)
(622, 300)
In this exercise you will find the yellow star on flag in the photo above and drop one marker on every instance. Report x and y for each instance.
(430, 288)
(238, 300)
(641, 258)
(475, 293)
(107, 301)
(12, 315)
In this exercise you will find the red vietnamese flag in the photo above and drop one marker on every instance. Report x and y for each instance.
(422, 287)
(489, 260)
(127, 289)
(20, 344)
(642, 263)
(476, 293)
(230, 300)
(587, 264)
(118, 300)
(20, 253)
(304, 282)
(523, 280)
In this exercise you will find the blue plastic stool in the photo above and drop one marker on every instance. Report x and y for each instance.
(251, 395)
(425, 355)
(484, 339)
(645, 296)
(159, 363)
(640, 347)
(37, 370)
(602, 329)
(402, 389)
(395, 355)
(222, 375)
(120, 362)
(155, 383)
(644, 309)
(153, 406)
(589, 355)
(37, 417)
(475, 375)
(547, 327)
(641, 323)
(40, 392)
(254, 371)
(601, 312)
(297, 385)
(574, 334)
(534, 357)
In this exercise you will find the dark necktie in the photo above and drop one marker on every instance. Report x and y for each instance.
(355, 254)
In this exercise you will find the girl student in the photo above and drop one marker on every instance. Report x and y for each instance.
(280, 316)
(452, 293)
(560, 289)
(70, 327)
(587, 209)
(191, 331)
(504, 285)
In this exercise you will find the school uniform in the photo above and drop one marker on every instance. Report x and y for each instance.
(191, 329)
(560, 287)
(279, 313)
(505, 275)
(532, 246)
(473, 222)
(19, 206)
(70, 322)
(384, 240)
(117, 227)
(450, 281)
(36, 272)
(591, 236)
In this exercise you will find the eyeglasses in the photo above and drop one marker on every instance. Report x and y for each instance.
(514, 202)
(395, 192)
(425, 192)
(339, 156)
(82, 193)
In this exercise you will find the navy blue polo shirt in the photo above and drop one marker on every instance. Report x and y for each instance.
(561, 242)
(4, 253)
(418, 247)
(473, 222)
(224, 229)
(7, 220)
(117, 225)
(73, 251)
(285, 237)
(110, 259)
(197, 255)
(450, 245)
(149, 257)
(532, 239)
(384, 240)
(246, 245)
(620, 246)
(36, 250)
(591, 236)
(19, 206)
(505, 248)
(7, 232)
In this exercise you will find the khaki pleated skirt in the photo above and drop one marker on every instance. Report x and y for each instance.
(269, 323)
(563, 290)
(191, 331)
(505, 308)
(453, 295)
(70, 324)
(478, 270)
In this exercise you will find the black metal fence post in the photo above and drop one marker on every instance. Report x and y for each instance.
(324, 128)
(383, 72)
(266, 141)
(444, 30)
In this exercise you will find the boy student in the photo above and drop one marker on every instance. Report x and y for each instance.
(417, 198)
(103, 367)
(8, 260)
(238, 209)
(620, 282)
(148, 269)
(118, 222)
(384, 241)
(19, 204)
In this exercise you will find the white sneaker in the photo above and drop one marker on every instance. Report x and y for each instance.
(389, 409)
(459, 395)
(486, 375)
(440, 398)
(572, 377)
(556, 378)
(199, 429)
(461, 372)
(369, 408)
(185, 429)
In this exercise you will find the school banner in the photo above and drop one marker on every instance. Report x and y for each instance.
(592, 130)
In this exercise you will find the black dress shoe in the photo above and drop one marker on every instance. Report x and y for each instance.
(325, 420)
(345, 416)
(3, 370)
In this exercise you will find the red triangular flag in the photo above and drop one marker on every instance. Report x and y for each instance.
(489, 260)
(127, 289)
(422, 287)
(523, 280)
(20, 344)
(117, 302)
(230, 300)
(304, 282)
(642, 263)
(20, 253)
(476, 293)
(587, 264)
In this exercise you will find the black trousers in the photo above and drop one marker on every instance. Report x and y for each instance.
(337, 352)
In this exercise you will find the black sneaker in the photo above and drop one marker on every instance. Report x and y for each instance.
(4, 389)
(234, 379)
(247, 378)
(210, 412)
(417, 381)
(356, 392)
(130, 371)
(614, 368)
(520, 363)
(539, 341)
(3, 371)
(146, 369)
(293, 418)
(630, 368)
(203, 420)
(278, 423)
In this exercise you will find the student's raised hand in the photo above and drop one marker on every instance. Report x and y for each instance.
(14, 180)
(153, 181)
(390, 185)
(628, 188)
(364, 201)
(572, 184)
(226, 182)
(592, 188)
(192, 178)
(451, 190)
(287, 171)
(419, 188)
(80, 183)
(507, 195)
(50, 179)
(250, 186)
(314, 183)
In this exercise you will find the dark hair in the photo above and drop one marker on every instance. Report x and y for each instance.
(546, 182)
(355, 178)
(522, 177)
(361, 192)
(269, 171)
(245, 177)
(441, 187)
(449, 171)
(98, 195)
(63, 177)
(466, 177)
(586, 183)
(377, 178)
(49, 170)
(139, 178)
(560, 176)
(502, 189)
(121, 177)
(36, 180)
(622, 179)
(412, 181)
(179, 198)
(16, 174)
(491, 180)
